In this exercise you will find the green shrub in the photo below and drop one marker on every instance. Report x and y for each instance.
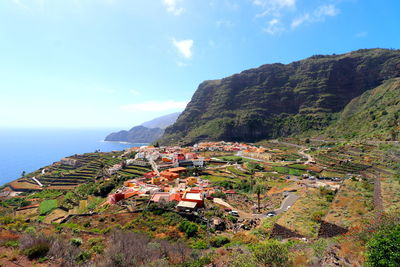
(99, 248)
(83, 256)
(383, 249)
(76, 242)
(200, 244)
(219, 194)
(37, 250)
(219, 241)
(271, 253)
(190, 229)
(11, 243)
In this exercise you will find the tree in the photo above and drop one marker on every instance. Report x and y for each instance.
(259, 189)
(383, 249)
(23, 173)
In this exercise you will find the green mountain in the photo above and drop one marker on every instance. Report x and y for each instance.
(276, 100)
(373, 115)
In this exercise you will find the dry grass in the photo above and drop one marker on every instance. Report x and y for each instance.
(390, 189)
(300, 217)
(350, 206)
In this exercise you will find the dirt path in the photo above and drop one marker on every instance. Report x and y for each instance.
(310, 159)
(378, 203)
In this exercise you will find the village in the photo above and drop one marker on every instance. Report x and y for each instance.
(176, 176)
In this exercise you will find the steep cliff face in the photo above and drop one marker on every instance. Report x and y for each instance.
(278, 100)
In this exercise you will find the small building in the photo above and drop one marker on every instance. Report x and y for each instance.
(189, 156)
(186, 205)
(160, 197)
(169, 175)
(194, 196)
(69, 162)
(114, 198)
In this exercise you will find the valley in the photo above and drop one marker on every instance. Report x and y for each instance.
(218, 200)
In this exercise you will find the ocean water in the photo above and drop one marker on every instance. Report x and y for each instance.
(30, 149)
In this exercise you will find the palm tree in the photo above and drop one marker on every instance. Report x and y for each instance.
(259, 189)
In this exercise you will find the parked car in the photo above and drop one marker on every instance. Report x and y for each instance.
(271, 214)
(234, 213)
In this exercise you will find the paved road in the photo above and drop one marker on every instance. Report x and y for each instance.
(288, 201)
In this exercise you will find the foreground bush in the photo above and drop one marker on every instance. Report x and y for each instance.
(135, 249)
(383, 249)
(39, 247)
(271, 253)
(219, 241)
(190, 229)
(35, 247)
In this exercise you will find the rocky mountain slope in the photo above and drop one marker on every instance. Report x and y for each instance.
(373, 115)
(148, 132)
(279, 100)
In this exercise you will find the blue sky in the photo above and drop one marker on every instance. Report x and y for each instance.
(117, 63)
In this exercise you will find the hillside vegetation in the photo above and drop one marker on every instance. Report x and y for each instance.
(277, 100)
(374, 114)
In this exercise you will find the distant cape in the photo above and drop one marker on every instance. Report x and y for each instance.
(147, 132)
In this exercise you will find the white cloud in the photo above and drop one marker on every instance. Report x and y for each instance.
(326, 10)
(274, 26)
(319, 14)
(172, 7)
(184, 47)
(361, 34)
(155, 106)
(300, 20)
(273, 6)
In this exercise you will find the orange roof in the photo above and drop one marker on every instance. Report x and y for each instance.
(177, 169)
(176, 197)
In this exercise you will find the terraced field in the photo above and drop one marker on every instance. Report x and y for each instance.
(341, 163)
(133, 171)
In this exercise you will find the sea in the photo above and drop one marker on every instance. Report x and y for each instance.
(30, 149)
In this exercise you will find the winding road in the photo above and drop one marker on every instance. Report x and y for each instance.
(287, 202)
